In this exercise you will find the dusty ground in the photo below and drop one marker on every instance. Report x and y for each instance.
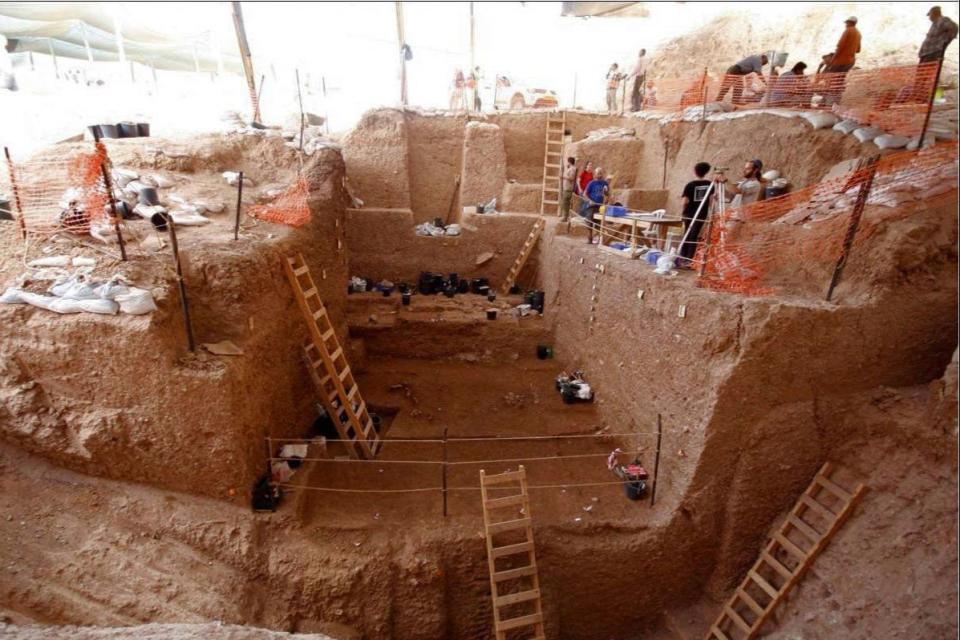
(208, 631)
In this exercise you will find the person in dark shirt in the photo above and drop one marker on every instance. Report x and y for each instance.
(595, 195)
(693, 195)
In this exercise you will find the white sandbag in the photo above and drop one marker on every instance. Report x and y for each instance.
(148, 180)
(846, 126)
(133, 187)
(866, 134)
(80, 261)
(61, 305)
(452, 230)
(820, 119)
(136, 301)
(148, 211)
(891, 141)
(188, 219)
(50, 261)
(208, 207)
(162, 181)
(771, 175)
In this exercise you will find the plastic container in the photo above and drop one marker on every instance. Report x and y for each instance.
(159, 221)
(108, 131)
(544, 352)
(491, 314)
(143, 129)
(491, 296)
(149, 196)
(484, 290)
(128, 130)
(405, 298)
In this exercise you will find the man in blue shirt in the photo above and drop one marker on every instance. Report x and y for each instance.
(596, 194)
(750, 64)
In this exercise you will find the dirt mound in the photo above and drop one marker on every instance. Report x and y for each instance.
(892, 33)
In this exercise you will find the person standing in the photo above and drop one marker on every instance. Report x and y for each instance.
(732, 79)
(694, 194)
(568, 182)
(639, 76)
(942, 32)
(584, 178)
(613, 83)
(845, 55)
(791, 88)
(595, 195)
(750, 188)
(475, 81)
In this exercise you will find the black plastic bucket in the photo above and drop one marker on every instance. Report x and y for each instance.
(143, 129)
(634, 490)
(108, 131)
(491, 296)
(405, 298)
(491, 314)
(149, 197)
(159, 221)
(463, 286)
(128, 130)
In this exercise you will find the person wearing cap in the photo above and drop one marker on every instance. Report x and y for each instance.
(942, 32)
(847, 48)
(732, 79)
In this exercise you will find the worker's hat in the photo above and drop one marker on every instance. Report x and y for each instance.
(851, 20)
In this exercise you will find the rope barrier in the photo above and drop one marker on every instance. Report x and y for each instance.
(451, 464)
(291, 487)
(480, 439)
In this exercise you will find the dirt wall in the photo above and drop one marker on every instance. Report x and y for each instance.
(376, 151)
(383, 244)
(435, 156)
(484, 167)
(120, 396)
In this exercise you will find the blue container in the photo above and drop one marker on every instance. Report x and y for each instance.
(653, 256)
(616, 211)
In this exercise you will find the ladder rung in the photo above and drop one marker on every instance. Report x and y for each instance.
(831, 486)
(352, 393)
(343, 374)
(550, 202)
(737, 620)
(777, 565)
(766, 586)
(719, 634)
(750, 602)
(514, 598)
(511, 549)
(552, 166)
(312, 291)
(329, 334)
(554, 141)
(817, 506)
(509, 501)
(500, 478)
(508, 525)
(336, 354)
(789, 546)
(511, 574)
(299, 271)
(319, 313)
(803, 528)
(523, 621)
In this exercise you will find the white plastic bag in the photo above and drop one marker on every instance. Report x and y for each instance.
(136, 301)
(820, 119)
(891, 141)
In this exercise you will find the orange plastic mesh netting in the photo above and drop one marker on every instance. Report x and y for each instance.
(894, 99)
(63, 193)
(791, 243)
(290, 207)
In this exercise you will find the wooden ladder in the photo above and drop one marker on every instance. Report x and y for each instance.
(515, 585)
(327, 364)
(525, 252)
(553, 163)
(817, 516)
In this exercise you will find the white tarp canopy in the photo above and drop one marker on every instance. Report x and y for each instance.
(605, 9)
(72, 30)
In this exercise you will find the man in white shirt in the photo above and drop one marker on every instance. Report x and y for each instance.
(750, 188)
(638, 75)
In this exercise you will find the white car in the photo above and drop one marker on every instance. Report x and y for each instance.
(511, 95)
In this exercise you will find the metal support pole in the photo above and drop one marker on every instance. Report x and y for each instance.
(933, 94)
(656, 462)
(56, 69)
(16, 194)
(108, 185)
(184, 305)
(236, 224)
(703, 118)
(303, 118)
(326, 106)
(246, 59)
(855, 215)
(401, 40)
(86, 42)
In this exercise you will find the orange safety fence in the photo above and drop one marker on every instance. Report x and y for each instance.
(58, 194)
(290, 207)
(791, 243)
(894, 99)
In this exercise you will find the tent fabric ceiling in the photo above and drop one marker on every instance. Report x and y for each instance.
(605, 9)
(68, 28)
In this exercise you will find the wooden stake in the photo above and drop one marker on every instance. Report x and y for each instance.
(113, 205)
(401, 38)
(656, 463)
(303, 118)
(16, 194)
(933, 94)
(855, 215)
(236, 224)
(191, 345)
